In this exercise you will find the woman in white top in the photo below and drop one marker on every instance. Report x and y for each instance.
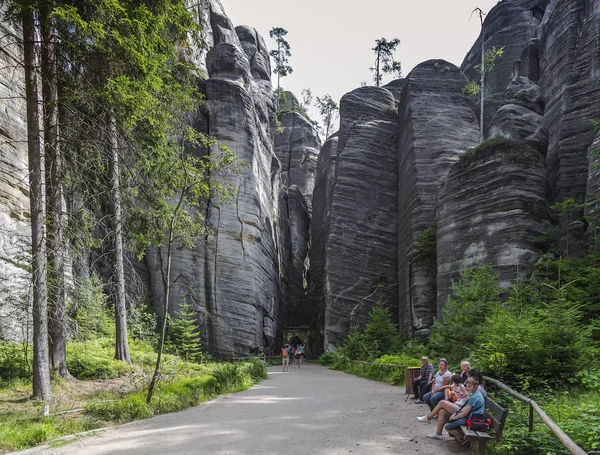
(441, 378)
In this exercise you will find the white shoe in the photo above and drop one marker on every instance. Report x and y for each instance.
(435, 436)
(423, 419)
(435, 416)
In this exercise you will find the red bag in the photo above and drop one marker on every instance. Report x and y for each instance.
(479, 424)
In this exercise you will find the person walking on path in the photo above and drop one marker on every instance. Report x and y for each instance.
(285, 358)
(298, 357)
(419, 384)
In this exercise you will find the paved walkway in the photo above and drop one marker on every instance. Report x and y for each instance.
(313, 411)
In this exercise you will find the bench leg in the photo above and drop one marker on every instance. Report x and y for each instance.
(481, 446)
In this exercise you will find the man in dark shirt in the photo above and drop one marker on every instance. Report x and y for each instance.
(421, 385)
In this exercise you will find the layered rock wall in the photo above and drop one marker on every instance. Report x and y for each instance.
(361, 243)
(493, 208)
(436, 123)
(15, 228)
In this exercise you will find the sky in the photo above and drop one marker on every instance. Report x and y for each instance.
(331, 41)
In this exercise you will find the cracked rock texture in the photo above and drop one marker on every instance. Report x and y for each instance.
(15, 231)
(492, 209)
(436, 124)
(360, 245)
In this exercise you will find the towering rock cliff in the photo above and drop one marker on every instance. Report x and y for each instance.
(569, 76)
(510, 25)
(436, 123)
(360, 241)
(15, 229)
(492, 209)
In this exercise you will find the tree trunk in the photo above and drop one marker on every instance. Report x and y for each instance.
(52, 165)
(118, 276)
(163, 333)
(482, 83)
(41, 370)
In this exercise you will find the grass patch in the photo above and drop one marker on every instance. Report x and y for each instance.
(116, 393)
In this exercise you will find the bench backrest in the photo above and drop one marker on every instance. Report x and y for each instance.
(498, 416)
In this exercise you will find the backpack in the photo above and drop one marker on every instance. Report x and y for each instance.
(284, 353)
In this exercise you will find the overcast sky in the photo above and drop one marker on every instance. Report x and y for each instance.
(331, 40)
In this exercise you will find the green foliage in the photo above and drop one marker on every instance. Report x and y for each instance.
(380, 336)
(427, 244)
(94, 359)
(184, 334)
(92, 317)
(515, 151)
(473, 89)
(384, 60)
(142, 322)
(328, 109)
(471, 299)
(15, 361)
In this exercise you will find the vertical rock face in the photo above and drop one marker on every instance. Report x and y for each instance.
(521, 118)
(233, 278)
(570, 70)
(240, 270)
(437, 123)
(297, 146)
(492, 209)
(295, 227)
(510, 24)
(314, 305)
(15, 228)
(361, 241)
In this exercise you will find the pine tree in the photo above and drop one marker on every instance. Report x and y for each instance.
(381, 336)
(184, 333)
(280, 56)
(384, 60)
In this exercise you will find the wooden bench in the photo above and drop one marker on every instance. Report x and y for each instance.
(498, 416)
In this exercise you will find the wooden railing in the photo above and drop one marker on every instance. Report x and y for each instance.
(533, 406)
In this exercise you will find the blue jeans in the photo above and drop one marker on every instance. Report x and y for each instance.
(433, 399)
(455, 424)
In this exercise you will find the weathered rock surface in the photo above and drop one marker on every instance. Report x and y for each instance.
(361, 242)
(516, 122)
(297, 146)
(15, 230)
(510, 24)
(492, 209)
(437, 123)
(524, 92)
(569, 62)
(592, 207)
(295, 229)
(313, 312)
(255, 48)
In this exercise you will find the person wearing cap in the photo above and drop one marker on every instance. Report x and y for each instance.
(419, 385)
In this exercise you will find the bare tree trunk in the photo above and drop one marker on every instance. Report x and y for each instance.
(163, 333)
(482, 83)
(41, 370)
(118, 276)
(52, 165)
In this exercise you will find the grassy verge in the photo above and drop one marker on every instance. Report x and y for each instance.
(118, 397)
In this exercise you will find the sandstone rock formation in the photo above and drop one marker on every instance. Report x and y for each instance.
(569, 79)
(297, 146)
(360, 247)
(511, 24)
(493, 208)
(436, 123)
(14, 195)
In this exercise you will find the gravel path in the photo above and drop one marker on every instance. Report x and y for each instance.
(311, 411)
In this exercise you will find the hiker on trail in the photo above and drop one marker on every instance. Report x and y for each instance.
(285, 358)
(419, 385)
(261, 354)
(298, 357)
(302, 352)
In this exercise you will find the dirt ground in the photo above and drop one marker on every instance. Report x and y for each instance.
(311, 411)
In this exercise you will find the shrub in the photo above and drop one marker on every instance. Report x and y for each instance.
(93, 359)
(470, 301)
(14, 363)
(381, 335)
(92, 317)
